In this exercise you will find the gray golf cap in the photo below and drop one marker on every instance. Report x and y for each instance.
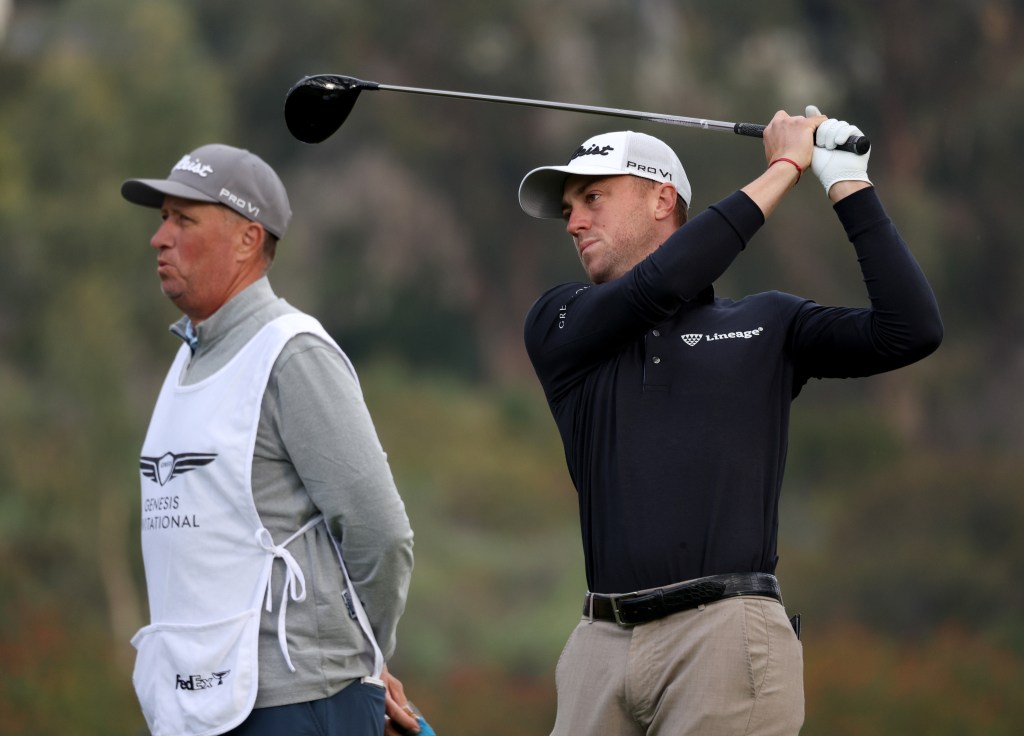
(233, 177)
(608, 154)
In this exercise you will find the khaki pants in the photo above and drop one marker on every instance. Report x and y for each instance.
(729, 668)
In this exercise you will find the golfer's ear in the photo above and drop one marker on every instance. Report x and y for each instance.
(666, 204)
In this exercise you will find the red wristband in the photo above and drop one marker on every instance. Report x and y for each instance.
(799, 170)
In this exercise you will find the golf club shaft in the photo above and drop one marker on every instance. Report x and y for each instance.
(856, 144)
(634, 114)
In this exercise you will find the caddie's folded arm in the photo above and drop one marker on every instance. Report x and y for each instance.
(332, 442)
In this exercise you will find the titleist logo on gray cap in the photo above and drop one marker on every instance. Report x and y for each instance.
(224, 174)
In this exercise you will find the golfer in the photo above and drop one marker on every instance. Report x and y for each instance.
(673, 406)
(277, 550)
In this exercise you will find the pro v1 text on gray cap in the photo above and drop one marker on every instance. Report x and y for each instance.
(223, 174)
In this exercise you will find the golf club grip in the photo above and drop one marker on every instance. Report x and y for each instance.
(859, 144)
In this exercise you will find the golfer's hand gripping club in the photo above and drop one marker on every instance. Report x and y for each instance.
(858, 144)
(830, 162)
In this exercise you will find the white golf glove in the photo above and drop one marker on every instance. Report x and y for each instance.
(829, 164)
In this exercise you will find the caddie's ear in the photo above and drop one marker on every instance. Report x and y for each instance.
(250, 239)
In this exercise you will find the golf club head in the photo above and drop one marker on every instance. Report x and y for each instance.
(316, 106)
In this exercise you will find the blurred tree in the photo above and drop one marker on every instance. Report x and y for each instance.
(77, 322)
(860, 682)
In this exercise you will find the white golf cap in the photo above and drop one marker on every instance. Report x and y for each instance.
(608, 154)
(223, 174)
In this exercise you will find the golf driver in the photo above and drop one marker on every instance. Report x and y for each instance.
(316, 106)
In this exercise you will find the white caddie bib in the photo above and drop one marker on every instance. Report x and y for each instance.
(208, 558)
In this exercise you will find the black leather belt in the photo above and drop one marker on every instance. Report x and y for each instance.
(630, 609)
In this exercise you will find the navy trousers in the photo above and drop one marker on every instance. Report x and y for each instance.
(358, 710)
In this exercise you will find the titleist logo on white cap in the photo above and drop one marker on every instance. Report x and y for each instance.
(592, 150)
(608, 154)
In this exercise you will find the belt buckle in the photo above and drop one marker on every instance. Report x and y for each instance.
(614, 600)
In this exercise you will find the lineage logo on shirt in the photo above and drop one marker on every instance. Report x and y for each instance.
(692, 338)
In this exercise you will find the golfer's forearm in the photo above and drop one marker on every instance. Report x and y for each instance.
(767, 190)
(905, 318)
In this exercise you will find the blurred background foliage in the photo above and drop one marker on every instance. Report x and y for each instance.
(902, 510)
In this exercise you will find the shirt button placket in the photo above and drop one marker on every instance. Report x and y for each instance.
(652, 372)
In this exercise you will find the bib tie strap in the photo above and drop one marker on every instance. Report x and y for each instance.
(294, 581)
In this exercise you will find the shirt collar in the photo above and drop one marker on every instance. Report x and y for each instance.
(238, 309)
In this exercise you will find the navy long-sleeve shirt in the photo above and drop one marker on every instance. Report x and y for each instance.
(673, 404)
